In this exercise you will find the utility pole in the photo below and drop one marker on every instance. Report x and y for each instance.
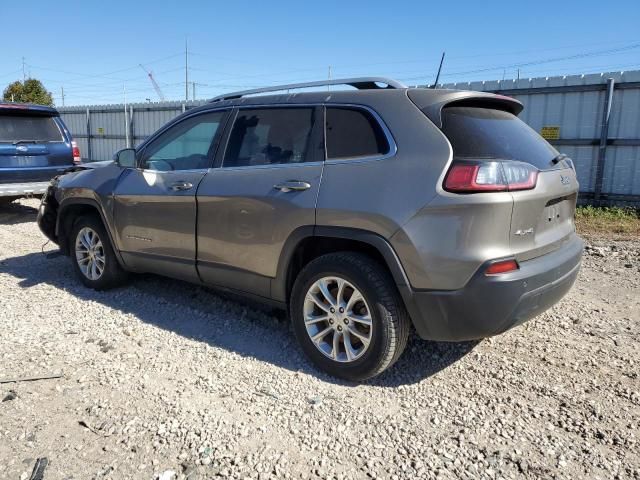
(24, 76)
(329, 78)
(186, 70)
(62, 91)
(193, 86)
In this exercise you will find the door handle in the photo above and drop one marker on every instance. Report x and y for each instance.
(181, 185)
(292, 186)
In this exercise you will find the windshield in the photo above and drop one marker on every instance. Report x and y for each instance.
(15, 128)
(488, 133)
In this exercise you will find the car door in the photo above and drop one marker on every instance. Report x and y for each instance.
(155, 204)
(266, 187)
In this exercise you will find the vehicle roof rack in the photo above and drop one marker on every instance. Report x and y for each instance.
(361, 83)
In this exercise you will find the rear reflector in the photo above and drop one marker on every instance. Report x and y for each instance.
(474, 176)
(76, 153)
(503, 266)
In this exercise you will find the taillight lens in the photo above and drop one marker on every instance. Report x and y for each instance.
(76, 153)
(503, 266)
(490, 176)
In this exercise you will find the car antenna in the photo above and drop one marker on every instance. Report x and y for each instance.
(435, 84)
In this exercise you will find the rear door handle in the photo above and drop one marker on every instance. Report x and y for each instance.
(292, 186)
(181, 185)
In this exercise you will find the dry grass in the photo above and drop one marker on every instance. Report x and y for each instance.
(615, 223)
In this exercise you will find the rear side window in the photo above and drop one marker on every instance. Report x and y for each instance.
(478, 133)
(353, 133)
(14, 128)
(269, 136)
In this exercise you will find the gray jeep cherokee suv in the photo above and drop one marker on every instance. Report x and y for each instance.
(362, 211)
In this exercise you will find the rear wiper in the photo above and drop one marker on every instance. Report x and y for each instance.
(16, 142)
(558, 158)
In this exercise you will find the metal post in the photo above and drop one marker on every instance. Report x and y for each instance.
(89, 156)
(186, 70)
(131, 127)
(126, 119)
(604, 137)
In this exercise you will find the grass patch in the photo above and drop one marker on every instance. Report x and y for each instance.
(619, 223)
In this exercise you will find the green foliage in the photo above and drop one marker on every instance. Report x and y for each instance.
(29, 91)
(611, 213)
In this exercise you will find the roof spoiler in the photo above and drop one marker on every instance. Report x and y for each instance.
(432, 105)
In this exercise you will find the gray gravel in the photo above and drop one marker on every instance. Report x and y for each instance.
(162, 379)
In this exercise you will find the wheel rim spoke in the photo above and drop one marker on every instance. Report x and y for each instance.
(348, 348)
(319, 303)
(319, 336)
(355, 297)
(363, 338)
(335, 351)
(363, 319)
(310, 320)
(324, 289)
(341, 333)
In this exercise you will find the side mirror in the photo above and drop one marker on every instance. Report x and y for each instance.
(125, 158)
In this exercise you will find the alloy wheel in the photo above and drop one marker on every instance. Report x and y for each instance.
(338, 319)
(90, 253)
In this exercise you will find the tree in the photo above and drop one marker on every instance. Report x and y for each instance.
(29, 91)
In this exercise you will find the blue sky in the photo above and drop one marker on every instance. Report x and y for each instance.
(93, 49)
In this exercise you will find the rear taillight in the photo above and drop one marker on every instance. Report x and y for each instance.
(76, 153)
(468, 176)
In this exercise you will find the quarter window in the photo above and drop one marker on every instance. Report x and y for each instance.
(353, 133)
(185, 146)
(269, 136)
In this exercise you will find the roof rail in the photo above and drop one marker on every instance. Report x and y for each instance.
(361, 83)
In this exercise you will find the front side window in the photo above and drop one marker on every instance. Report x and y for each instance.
(269, 136)
(185, 146)
(353, 133)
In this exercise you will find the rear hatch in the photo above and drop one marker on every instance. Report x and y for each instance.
(34, 145)
(542, 182)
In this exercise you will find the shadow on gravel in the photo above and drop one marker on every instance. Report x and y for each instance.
(14, 213)
(246, 328)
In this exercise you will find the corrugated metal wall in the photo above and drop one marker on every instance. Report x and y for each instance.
(572, 106)
(575, 104)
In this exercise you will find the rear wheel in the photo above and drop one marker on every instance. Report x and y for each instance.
(348, 316)
(92, 255)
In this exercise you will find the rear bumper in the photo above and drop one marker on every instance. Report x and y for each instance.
(489, 305)
(23, 189)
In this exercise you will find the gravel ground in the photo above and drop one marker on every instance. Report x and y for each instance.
(162, 376)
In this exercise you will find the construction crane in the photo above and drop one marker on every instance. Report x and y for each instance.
(154, 83)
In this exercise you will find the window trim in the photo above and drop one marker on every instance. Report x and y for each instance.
(218, 138)
(219, 163)
(393, 147)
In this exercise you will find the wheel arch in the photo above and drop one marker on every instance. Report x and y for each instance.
(72, 208)
(307, 243)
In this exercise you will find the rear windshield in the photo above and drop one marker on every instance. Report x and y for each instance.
(488, 133)
(14, 128)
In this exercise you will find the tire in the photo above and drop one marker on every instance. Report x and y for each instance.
(111, 274)
(7, 200)
(376, 347)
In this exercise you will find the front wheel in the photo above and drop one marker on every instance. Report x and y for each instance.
(347, 315)
(92, 255)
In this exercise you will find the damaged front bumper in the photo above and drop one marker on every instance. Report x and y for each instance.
(48, 212)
